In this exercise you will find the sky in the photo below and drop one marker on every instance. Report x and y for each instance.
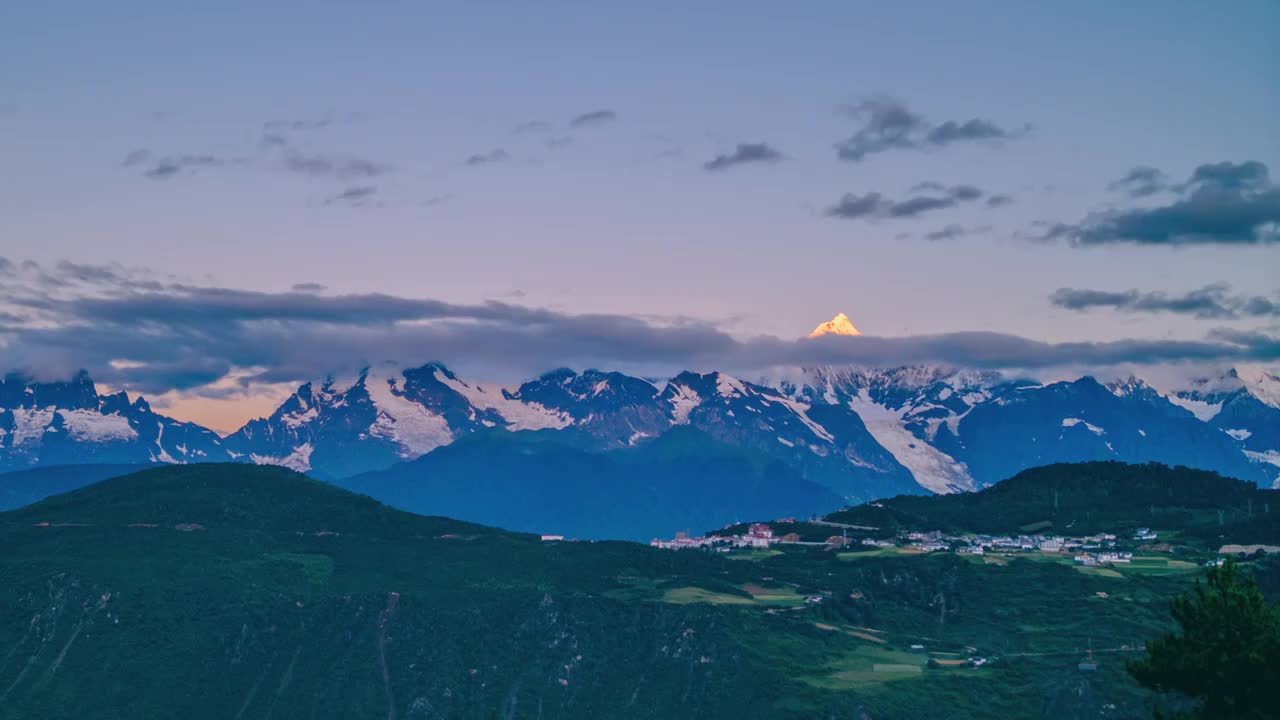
(707, 177)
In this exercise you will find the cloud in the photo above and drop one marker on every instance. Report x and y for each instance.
(309, 287)
(1221, 204)
(275, 126)
(532, 126)
(1141, 182)
(1250, 175)
(954, 232)
(359, 196)
(187, 337)
(1211, 301)
(744, 154)
(886, 124)
(343, 167)
(999, 200)
(168, 166)
(596, 118)
(874, 206)
(970, 130)
(497, 155)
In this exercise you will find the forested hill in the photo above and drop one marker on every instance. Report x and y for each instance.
(1085, 498)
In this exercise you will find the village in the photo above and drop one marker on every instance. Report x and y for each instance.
(1094, 550)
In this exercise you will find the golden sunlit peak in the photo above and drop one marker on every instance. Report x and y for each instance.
(838, 325)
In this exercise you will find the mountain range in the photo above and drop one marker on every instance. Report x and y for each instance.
(846, 432)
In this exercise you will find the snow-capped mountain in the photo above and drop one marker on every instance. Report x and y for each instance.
(1243, 403)
(912, 411)
(70, 423)
(381, 418)
(838, 325)
(827, 441)
(861, 432)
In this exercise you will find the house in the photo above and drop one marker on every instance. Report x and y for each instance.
(1051, 545)
(760, 530)
(1144, 534)
(790, 538)
(838, 541)
(552, 538)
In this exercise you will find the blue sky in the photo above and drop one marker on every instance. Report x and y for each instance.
(375, 107)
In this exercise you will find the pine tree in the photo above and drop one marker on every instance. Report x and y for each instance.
(1226, 654)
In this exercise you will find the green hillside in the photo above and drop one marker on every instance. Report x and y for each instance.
(1087, 498)
(233, 591)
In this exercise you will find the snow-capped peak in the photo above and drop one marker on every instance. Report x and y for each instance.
(838, 325)
(1260, 383)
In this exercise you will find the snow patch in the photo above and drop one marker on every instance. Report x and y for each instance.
(933, 469)
(683, 402)
(1271, 457)
(729, 386)
(1239, 434)
(30, 423)
(93, 426)
(416, 429)
(802, 411)
(296, 419)
(299, 459)
(519, 415)
(1204, 411)
(1072, 422)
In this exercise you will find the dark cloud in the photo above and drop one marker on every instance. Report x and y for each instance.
(168, 166)
(886, 124)
(744, 154)
(497, 155)
(596, 118)
(1221, 204)
(359, 196)
(1250, 175)
(183, 336)
(1141, 182)
(343, 167)
(999, 200)
(309, 287)
(970, 130)
(874, 206)
(955, 232)
(1211, 301)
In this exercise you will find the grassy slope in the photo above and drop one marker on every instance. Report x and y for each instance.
(300, 600)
